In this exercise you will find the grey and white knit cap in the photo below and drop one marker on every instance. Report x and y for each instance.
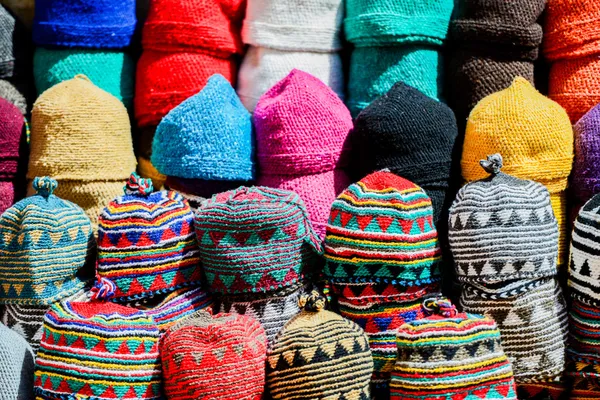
(17, 362)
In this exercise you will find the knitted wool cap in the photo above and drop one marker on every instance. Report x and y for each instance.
(374, 70)
(263, 67)
(502, 228)
(381, 230)
(319, 355)
(14, 45)
(544, 390)
(16, 366)
(164, 80)
(255, 240)
(296, 25)
(410, 134)
(98, 350)
(15, 93)
(451, 355)
(112, 71)
(88, 23)
(380, 23)
(208, 136)
(13, 141)
(214, 357)
(585, 178)
(575, 85)
(205, 25)
(146, 244)
(45, 243)
(585, 332)
(570, 29)
(9, 194)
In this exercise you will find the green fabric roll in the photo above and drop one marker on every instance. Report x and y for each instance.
(112, 71)
(374, 70)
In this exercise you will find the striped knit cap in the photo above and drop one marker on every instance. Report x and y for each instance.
(451, 355)
(214, 357)
(585, 179)
(255, 240)
(381, 230)
(45, 245)
(583, 354)
(146, 244)
(502, 228)
(16, 366)
(98, 350)
(319, 355)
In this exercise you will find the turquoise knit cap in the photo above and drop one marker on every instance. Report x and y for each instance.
(208, 136)
(45, 243)
(383, 22)
(112, 71)
(374, 70)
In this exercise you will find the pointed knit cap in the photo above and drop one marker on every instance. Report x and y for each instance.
(16, 366)
(586, 168)
(208, 136)
(45, 245)
(13, 141)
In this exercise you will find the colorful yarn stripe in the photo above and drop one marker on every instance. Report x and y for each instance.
(585, 327)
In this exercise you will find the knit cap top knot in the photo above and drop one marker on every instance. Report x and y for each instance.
(44, 186)
(138, 186)
(493, 164)
(313, 301)
(441, 306)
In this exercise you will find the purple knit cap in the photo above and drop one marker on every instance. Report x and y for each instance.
(586, 168)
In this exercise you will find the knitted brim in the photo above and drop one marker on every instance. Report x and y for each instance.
(16, 366)
(501, 38)
(147, 170)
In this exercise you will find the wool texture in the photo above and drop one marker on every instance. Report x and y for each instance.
(16, 366)
(91, 23)
(374, 70)
(268, 242)
(451, 355)
(188, 144)
(195, 191)
(584, 389)
(13, 154)
(319, 355)
(544, 391)
(264, 67)
(98, 350)
(216, 357)
(584, 350)
(585, 178)
(15, 46)
(9, 194)
(297, 25)
(302, 130)
(147, 170)
(112, 71)
(16, 93)
(164, 80)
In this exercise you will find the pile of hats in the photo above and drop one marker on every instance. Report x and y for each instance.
(89, 39)
(184, 43)
(205, 144)
(283, 36)
(302, 130)
(382, 259)
(504, 241)
(395, 41)
(13, 154)
(493, 42)
(585, 179)
(572, 45)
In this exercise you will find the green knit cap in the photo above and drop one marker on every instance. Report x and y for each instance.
(112, 71)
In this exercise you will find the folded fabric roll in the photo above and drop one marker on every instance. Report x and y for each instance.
(374, 70)
(15, 46)
(264, 67)
(112, 71)
(16, 93)
(575, 85)
(585, 178)
(16, 366)
(164, 80)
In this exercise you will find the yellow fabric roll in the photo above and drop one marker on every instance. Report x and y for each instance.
(147, 170)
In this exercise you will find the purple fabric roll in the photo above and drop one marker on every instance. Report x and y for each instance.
(585, 181)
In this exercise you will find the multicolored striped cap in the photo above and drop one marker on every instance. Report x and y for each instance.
(45, 244)
(451, 355)
(98, 350)
(146, 244)
(255, 240)
(381, 230)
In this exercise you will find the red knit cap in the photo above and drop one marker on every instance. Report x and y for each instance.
(212, 26)
(166, 79)
(12, 140)
(214, 357)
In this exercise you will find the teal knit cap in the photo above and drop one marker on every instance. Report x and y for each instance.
(384, 22)
(208, 136)
(45, 243)
(112, 71)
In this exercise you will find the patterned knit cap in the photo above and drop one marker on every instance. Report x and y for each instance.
(208, 26)
(451, 355)
(214, 357)
(112, 71)
(16, 366)
(255, 240)
(380, 23)
(98, 350)
(146, 244)
(91, 23)
(164, 80)
(502, 228)
(14, 46)
(381, 230)
(13, 141)
(208, 136)
(45, 243)
(297, 25)
(319, 355)
(585, 179)
(583, 354)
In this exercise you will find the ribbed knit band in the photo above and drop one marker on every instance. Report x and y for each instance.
(585, 177)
